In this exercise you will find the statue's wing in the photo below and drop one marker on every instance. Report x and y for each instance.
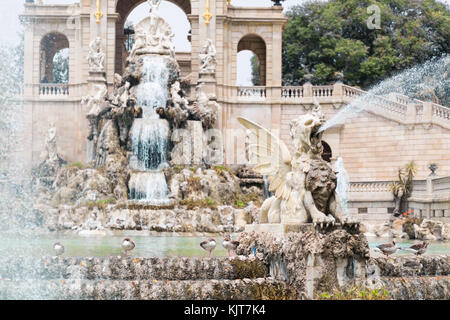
(273, 158)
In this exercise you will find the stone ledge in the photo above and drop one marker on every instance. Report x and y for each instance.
(241, 289)
(131, 268)
(417, 288)
(433, 265)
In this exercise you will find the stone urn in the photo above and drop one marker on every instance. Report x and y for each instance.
(339, 76)
(308, 77)
(433, 167)
(277, 2)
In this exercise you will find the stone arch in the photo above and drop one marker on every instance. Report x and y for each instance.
(123, 9)
(257, 45)
(327, 153)
(50, 44)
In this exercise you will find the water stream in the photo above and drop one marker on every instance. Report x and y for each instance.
(150, 135)
(424, 82)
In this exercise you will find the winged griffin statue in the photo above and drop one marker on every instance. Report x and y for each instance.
(304, 185)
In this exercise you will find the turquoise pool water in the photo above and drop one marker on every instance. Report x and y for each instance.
(147, 246)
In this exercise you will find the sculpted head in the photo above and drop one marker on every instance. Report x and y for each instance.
(305, 132)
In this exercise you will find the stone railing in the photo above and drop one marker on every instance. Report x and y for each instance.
(322, 91)
(256, 92)
(376, 186)
(430, 198)
(440, 112)
(292, 92)
(351, 91)
(54, 90)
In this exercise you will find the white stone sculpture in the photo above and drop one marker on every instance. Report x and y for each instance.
(153, 35)
(303, 183)
(50, 145)
(96, 57)
(208, 58)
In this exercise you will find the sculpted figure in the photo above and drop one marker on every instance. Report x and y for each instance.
(152, 35)
(96, 57)
(96, 104)
(204, 109)
(304, 184)
(208, 58)
(50, 144)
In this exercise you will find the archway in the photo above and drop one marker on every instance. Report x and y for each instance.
(54, 45)
(124, 8)
(257, 46)
(327, 154)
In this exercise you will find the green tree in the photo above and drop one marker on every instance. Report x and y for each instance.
(61, 66)
(322, 38)
(255, 70)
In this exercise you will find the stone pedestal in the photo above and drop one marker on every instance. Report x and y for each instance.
(196, 133)
(96, 78)
(208, 82)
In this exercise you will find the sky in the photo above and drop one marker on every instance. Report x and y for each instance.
(10, 26)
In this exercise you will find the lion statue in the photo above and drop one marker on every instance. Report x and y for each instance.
(304, 184)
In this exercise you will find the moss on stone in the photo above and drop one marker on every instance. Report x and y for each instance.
(248, 269)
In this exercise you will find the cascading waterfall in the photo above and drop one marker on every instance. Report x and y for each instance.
(342, 184)
(150, 134)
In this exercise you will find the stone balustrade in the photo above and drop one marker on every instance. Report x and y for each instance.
(54, 90)
(322, 91)
(252, 92)
(372, 186)
(291, 92)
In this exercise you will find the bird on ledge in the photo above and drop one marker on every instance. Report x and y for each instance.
(59, 248)
(208, 245)
(418, 248)
(388, 248)
(128, 245)
(229, 244)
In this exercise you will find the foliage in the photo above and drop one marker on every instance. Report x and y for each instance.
(405, 180)
(240, 204)
(78, 165)
(101, 203)
(204, 203)
(408, 226)
(355, 293)
(322, 38)
(61, 66)
(255, 70)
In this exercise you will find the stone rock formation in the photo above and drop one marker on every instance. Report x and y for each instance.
(432, 230)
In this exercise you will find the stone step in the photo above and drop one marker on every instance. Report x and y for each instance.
(131, 268)
(435, 265)
(416, 288)
(242, 289)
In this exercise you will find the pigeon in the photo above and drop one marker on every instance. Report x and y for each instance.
(388, 248)
(418, 248)
(128, 245)
(208, 245)
(59, 248)
(229, 244)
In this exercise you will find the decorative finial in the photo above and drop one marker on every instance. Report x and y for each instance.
(98, 14)
(207, 16)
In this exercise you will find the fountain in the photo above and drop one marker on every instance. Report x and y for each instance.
(149, 172)
(149, 135)
(427, 81)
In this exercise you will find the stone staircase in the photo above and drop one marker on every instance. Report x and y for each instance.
(410, 277)
(137, 278)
